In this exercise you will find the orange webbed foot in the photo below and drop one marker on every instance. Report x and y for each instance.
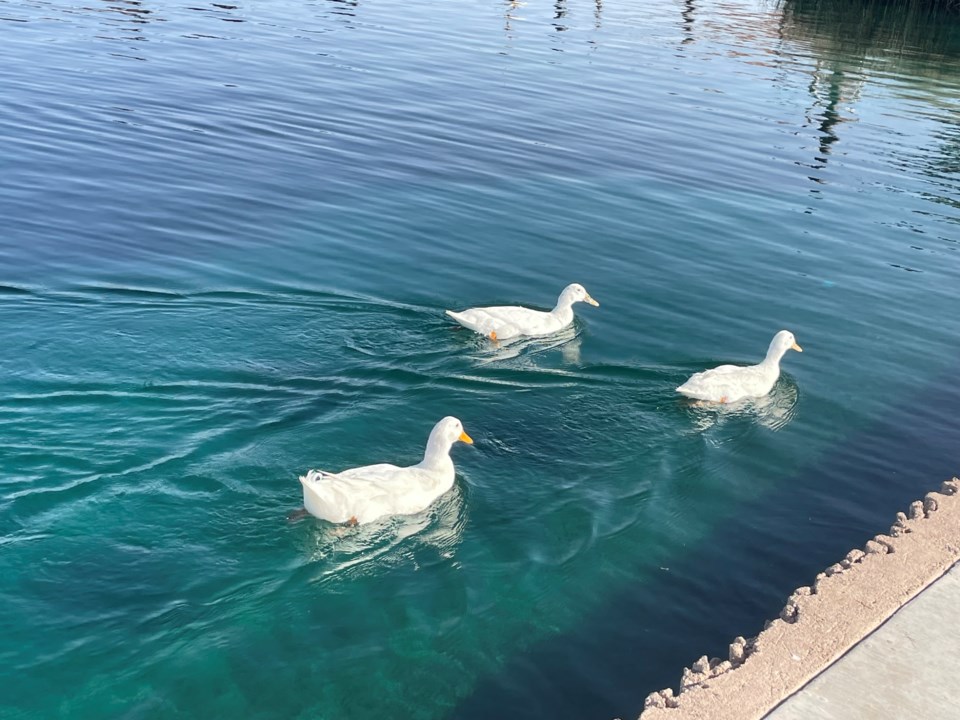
(353, 522)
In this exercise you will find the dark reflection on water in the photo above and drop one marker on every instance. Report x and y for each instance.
(559, 13)
(346, 8)
(874, 30)
(827, 91)
(688, 15)
(943, 168)
(127, 21)
(133, 9)
(129, 18)
(560, 17)
(773, 411)
(914, 41)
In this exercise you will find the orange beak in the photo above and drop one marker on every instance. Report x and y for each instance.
(797, 347)
(465, 438)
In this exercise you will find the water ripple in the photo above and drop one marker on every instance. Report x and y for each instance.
(231, 232)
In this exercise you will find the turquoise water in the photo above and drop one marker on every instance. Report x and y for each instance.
(229, 235)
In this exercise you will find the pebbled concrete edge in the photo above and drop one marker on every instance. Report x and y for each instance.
(821, 622)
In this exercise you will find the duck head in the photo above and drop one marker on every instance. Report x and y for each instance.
(782, 341)
(444, 434)
(575, 292)
(447, 432)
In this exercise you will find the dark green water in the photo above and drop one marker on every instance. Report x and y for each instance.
(229, 235)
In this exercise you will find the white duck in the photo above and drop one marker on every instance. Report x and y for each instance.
(363, 494)
(729, 383)
(505, 322)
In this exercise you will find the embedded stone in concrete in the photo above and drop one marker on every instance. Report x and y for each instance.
(886, 541)
(916, 510)
(722, 667)
(655, 699)
(701, 665)
(738, 651)
(855, 555)
(789, 613)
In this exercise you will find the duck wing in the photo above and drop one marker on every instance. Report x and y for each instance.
(725, 383)
(338, 497)
(506, 321)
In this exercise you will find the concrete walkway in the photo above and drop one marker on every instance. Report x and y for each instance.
(908, 667)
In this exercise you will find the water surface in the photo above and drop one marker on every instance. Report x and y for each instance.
(230, 233)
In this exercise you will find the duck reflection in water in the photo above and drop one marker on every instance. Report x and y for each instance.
(344, 7)
(347, 552)
(688, 19)
(567, 340)
(773, 411)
